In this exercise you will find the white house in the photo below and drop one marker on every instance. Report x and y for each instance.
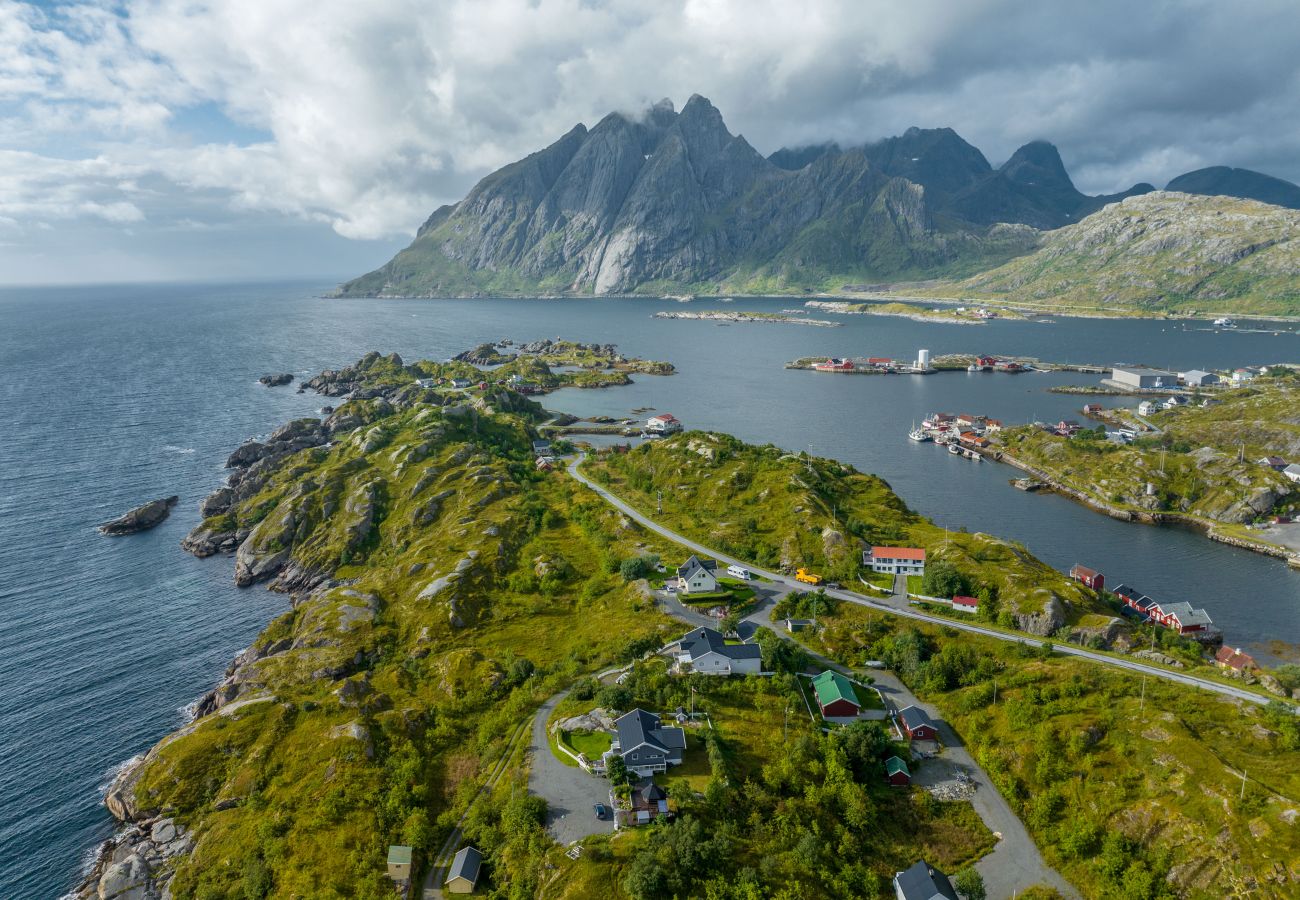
(695, 576)
(1147, 407)
(664, 423)
(1198, 378)
(1293, 472)
(895, 560)
(707, 652)
(1241, 376)
(1174, 402)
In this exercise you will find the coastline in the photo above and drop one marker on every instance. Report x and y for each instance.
(1205, 527)
(1039, 310)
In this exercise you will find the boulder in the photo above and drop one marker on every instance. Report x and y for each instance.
(276, 380)
(217, 502)
(142, 518)
(127, 880)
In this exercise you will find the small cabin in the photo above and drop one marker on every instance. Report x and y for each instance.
(1088, 577)
(896, 772)
(399, 863)
(463, 873)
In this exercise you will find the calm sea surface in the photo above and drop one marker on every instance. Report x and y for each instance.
(116, 395)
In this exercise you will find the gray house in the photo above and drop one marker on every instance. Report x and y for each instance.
(706, 651)
(923, 882)
(646, 745)
(697, 576)
(462, 875)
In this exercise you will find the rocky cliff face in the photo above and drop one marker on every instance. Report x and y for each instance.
(674, 198)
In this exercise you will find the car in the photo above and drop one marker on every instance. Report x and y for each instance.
(601, 811)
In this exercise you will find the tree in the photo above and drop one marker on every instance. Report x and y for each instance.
(635, 567)
(730, 622)
(614, 696)
(616, 770)
(942, 579)
(970, 884)
(865, 744)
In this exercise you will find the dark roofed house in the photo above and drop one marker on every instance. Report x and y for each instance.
(697, 576)
(923, 882)
(706, 651)
(541, 448)
(917, 724)
(462, 875)
(649, 802)
(646, 745)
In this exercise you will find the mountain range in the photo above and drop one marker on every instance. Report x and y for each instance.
(673, 201)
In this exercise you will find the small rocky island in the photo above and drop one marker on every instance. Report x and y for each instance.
(714, 315)
(142, 518)
(278, 380)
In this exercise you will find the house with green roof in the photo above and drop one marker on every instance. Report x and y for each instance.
(896, 772)
(835, 696)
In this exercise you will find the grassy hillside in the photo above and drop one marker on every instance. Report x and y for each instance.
(1192, 464)
(1159, 252)
(786, 510)
(1130, 790)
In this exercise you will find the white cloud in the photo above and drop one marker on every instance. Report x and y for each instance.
(371, 114)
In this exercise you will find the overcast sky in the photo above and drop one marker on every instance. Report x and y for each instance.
(175, 139)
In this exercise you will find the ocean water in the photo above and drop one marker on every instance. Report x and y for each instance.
(112, 396)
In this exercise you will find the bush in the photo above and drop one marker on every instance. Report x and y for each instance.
(635, 567)
(942, 579)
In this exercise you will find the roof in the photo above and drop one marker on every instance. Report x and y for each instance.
(399, 855)
(831, 686)
(1196, 373)
(465, 865)
(705, 640)
(1293, 469)
(640, 727)
(664, 417)
(898, 553)
(1079, 571)
(1273, 461)
(692, 564)
(1186, 614)
(1123, 590)
(1140, 370)
(651, 792)
(923, 882)
(894, 765)
(1235, 658)
(965, 601)
(914, 716)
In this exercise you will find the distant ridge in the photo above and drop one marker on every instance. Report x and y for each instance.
(672, 201)
(1242, 183)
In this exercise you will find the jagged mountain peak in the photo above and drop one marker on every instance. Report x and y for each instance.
(1037, 162)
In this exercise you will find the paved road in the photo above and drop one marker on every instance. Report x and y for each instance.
(569, 792)
(899, 606)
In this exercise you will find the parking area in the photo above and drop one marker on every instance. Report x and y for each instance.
(570, 793)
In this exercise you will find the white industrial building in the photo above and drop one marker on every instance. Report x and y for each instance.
(1142, 377)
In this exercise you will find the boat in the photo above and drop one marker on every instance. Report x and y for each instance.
(972, 368)
(1224, 322)
(971, 454)
(918, 434)
(954, 450)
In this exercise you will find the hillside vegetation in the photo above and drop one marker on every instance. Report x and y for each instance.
(1204, 462)
(786, 510)
(1159, 252)
(1132, 790)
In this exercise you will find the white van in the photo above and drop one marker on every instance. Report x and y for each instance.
(739, 572)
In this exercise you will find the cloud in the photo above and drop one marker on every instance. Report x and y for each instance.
(366, 116)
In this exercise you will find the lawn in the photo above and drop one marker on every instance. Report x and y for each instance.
(868, 697)
(693, 773)
(592, 743)
(914, 584)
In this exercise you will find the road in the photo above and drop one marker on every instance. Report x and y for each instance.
(570, 793)
(898, 606)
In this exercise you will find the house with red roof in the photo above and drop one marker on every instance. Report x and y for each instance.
(966, 604)
(895, 560)
(1229, 658)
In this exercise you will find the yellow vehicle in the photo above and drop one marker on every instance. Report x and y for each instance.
(807, 577)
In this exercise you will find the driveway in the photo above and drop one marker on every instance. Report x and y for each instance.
(569, 792)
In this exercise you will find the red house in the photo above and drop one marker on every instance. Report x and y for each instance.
(1235, 659)
(966, 604)
(986, 362)
(835, 695)
(879, 361)
(917, 724)
(896, 772)
(1088, 577)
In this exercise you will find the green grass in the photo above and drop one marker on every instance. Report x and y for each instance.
(868, 698)
(592, 743)
(914, 584)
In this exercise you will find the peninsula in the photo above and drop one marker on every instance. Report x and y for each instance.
(448, 588)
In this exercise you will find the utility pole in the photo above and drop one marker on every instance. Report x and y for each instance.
(1242, 798)
(995, 692)
(659, 502)
(1143, 702)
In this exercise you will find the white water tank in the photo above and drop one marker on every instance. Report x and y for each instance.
(923, 359)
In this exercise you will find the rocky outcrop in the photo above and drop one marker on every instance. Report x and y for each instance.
(1045, 622)
(279, 380)
(138, 862)
(142, 518)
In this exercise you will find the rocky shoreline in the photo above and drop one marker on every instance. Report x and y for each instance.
(1145, 517)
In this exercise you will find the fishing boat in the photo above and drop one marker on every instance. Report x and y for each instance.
(954, 450)
(918, 434)
(971, 454)
(972, 368)
(1225, 322)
